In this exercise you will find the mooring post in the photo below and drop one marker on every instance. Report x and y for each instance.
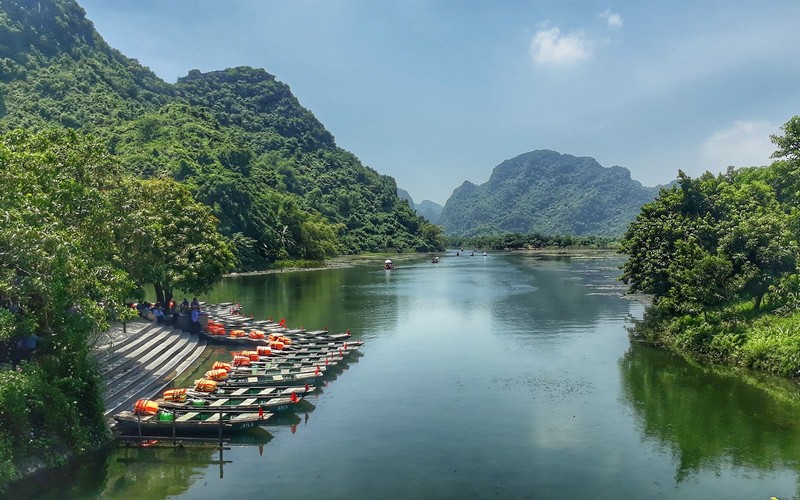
(221, 461)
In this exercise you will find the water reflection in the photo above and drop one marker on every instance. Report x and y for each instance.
(562, 294)
(330, 299)
(129, 471)
(711, 418)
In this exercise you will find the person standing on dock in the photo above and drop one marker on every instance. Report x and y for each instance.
(196, 319)
(159, 313)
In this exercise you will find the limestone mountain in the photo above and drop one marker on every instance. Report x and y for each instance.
(550, 193)
(428, 209)
(404, 195)
(238, 138)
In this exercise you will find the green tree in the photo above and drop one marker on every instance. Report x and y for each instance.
(699, 281)
(762, 252)
(56, 281)
(172, 239)
(788, 143)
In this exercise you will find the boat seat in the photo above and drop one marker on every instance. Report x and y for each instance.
(218, 402)
(239, 392)
(248, 401)
(213, 418)
(187, 416)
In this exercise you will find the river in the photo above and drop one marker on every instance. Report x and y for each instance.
(509, 376)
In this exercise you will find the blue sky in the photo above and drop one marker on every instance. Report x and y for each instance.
(434, 93)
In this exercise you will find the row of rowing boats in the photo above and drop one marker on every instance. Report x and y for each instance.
(256, 385)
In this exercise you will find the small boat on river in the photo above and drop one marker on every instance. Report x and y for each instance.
(311, 378)
(189, 423)
(260, 369)
(239, 334)
(248, 392)
(297, 364)
(148, 418)
(239, 404)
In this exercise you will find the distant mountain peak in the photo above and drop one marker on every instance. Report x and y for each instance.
(548, 192)
(428, 209)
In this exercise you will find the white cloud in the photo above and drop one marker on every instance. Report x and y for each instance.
(613, 19)
(549, 46)
(743, 144)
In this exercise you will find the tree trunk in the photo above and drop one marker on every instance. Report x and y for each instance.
(159, 292)
(167, 296)
(757, 305)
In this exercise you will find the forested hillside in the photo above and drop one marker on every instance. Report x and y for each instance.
(240, 140)
(549, 193)
(56, 70)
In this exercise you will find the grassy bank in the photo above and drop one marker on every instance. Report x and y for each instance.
(737, 336)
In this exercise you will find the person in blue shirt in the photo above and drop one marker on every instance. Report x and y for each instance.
(196, 320)
(159, 314)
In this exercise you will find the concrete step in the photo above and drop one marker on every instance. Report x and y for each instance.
(131, 350)
(146, 357)
(159, 341)
(145, 379)
(118, 333)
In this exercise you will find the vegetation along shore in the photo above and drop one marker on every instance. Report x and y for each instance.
(719, 254)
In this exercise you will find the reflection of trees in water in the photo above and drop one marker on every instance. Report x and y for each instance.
(153, 473)
(124, 472)
(313, 299)
(164, 472)
(709, 419)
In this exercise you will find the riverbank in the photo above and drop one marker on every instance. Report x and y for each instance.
(59, 455)
(345, 261)
(576, 252)
(766, 341)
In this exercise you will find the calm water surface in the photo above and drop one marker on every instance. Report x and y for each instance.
(506, 376)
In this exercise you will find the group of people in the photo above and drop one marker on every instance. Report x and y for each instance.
(159, 313)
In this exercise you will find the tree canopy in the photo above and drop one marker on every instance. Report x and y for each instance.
(716, 252)
(714, 239)
(77, 237)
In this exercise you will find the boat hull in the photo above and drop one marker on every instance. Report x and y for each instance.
(151, 425)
